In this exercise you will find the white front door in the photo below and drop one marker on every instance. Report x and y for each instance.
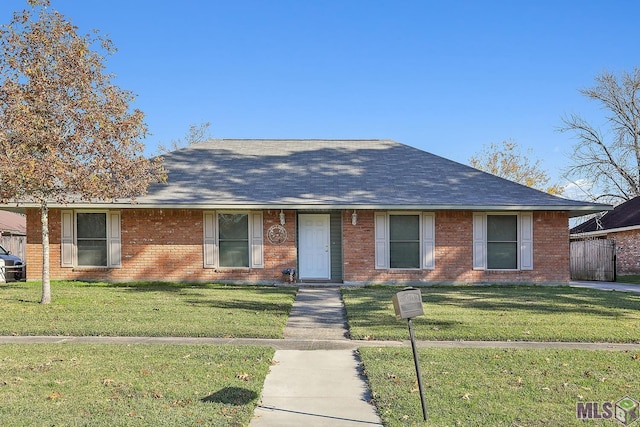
(314, 247)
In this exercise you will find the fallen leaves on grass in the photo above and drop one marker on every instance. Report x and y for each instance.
(243, 376)
(182, 403)
(53, 396)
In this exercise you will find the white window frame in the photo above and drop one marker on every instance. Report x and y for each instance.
(382, 241)
(69, 238)
(524, 245)
(211, 247)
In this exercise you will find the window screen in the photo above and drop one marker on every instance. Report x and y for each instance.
(502, 242)
(233, 240)
(404, 241)
(92, 239)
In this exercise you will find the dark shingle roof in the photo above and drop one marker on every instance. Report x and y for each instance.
(338, 174)
(626, 214)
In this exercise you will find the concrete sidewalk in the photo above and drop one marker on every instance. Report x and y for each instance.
(605, 286)
(316, 387)
(302, 344)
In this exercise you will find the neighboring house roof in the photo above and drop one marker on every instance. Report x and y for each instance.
(624, 215)
(13, 223)
(336, 174)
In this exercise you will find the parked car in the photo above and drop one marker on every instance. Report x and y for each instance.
(14, 266)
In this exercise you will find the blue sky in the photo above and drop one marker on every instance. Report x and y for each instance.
(443, 76)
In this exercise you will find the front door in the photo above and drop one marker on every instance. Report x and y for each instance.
(314, 247)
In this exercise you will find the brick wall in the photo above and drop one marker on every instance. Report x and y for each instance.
(627, 251)
(160, 244)
(166, 244)
(453, 252)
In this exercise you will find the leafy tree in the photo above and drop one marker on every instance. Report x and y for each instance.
(506, 160)
(610, 158)
(66, 132)
(196, 134)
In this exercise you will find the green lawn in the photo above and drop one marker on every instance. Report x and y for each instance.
(130, 385)
(633, 279)
(136, 385)
(484, 387)
(515, 312)
(145, 309)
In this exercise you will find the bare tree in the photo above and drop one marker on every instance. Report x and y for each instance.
(506, 160)
(66, 132)
(609, 158)
(197, 133)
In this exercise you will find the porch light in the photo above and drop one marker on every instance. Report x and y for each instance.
(354, 218)
(282, 221)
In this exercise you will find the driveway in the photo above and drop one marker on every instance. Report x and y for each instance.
(605, 286)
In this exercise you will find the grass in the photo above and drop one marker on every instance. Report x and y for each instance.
(517, 313)
(145, 309)
(483, 387)
(135, 385)
(631, 278)
(130, 385)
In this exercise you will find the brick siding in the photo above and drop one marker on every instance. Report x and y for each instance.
(167, 245)
(453, 252)
(627, 251)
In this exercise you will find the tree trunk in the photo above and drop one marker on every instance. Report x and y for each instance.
(46, 284)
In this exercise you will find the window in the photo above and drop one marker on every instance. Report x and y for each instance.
(233, 239)
(503, 241)
(90, 239)
(404, 240)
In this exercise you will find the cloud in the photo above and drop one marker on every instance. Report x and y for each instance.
(580, 189)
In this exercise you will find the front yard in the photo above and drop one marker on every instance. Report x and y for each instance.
(499, 387)
(130, 385)
(146, 309)
(516, 313)
(139, 385)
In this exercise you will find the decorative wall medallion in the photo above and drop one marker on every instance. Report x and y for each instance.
(277, 234)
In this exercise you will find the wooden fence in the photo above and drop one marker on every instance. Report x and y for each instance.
(593, 260)
(16, 245)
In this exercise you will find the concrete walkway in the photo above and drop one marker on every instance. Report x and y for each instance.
(317, 314)
(605, 286)
(316, 387)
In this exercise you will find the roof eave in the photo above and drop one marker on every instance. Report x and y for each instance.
(605, 231)
(574, 210)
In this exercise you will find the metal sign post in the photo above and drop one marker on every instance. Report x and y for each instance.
(408, 304)
(415, 360)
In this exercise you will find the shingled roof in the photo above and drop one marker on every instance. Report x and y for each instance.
(330, 174)
(339, 174)
(624, 215)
